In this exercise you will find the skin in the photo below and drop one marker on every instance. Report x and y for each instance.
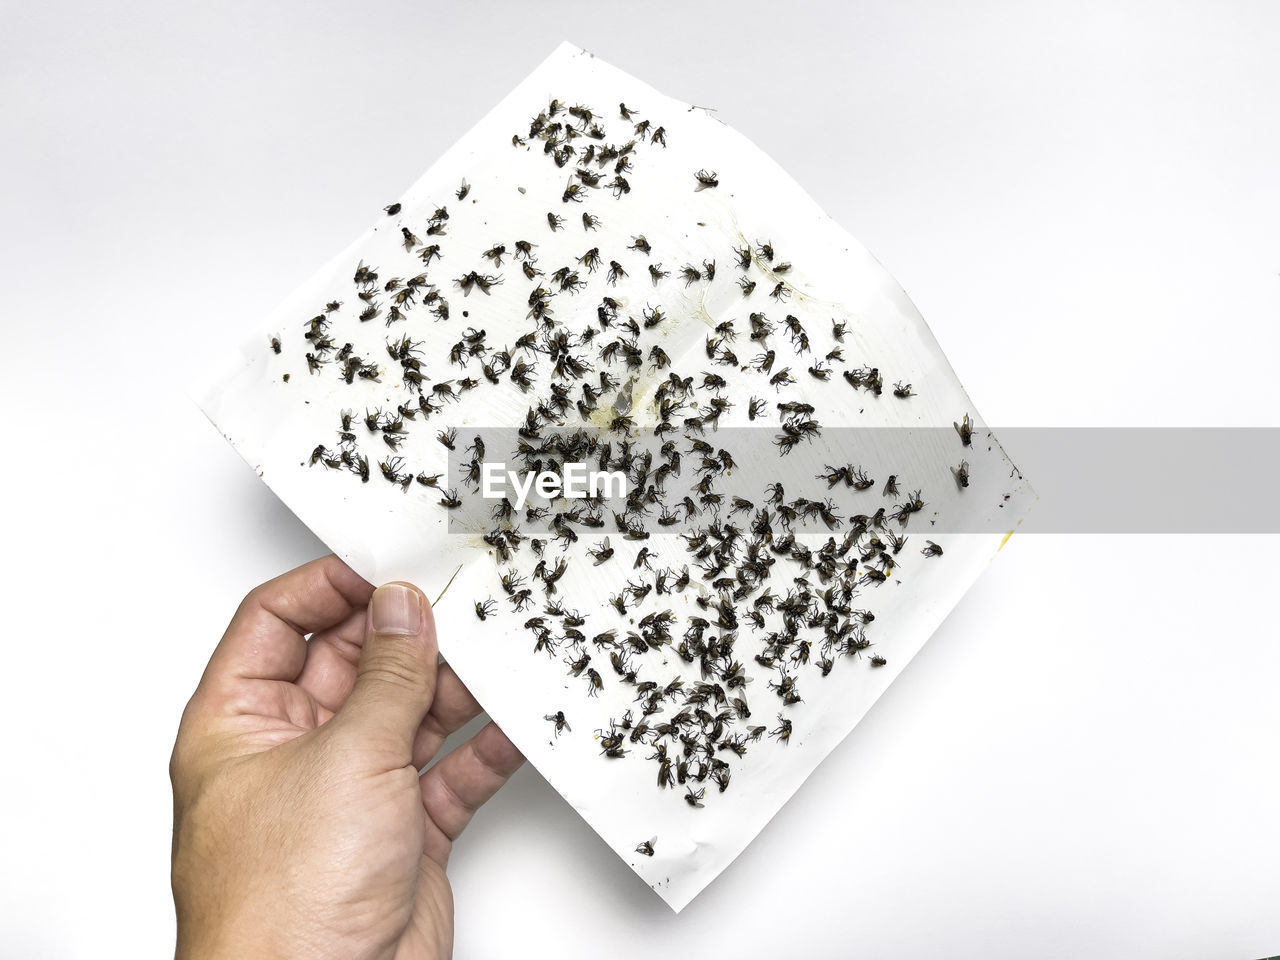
(302, 828)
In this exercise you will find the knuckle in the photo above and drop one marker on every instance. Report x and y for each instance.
(397, 666)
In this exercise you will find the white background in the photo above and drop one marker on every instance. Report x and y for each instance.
(1081, 198)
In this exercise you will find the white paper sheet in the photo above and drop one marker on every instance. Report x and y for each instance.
(386, 532)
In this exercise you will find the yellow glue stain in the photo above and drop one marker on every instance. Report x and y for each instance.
(1004, 541)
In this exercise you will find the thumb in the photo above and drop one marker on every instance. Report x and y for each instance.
(396, 678)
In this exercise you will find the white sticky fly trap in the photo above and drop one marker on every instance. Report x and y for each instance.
(600, 281)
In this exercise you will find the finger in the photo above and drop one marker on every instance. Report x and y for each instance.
(265, 639)
(451, 710)
(332, 657)
(456, 787)
(330, 673)
(396, 677)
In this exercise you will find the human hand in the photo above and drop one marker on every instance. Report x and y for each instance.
(301, 826)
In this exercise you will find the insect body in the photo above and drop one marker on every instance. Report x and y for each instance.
(706, 179)
(557, 718)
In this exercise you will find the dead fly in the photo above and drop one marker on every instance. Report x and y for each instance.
(590, 221)
(589, 178)
(321, 454)
(878, 661)
(496, 253)
(444, 390)
(646, 848)
(361, 468)
(690, 273)
(620, 186)
(447, 437)
(931, 549)
(659, 357)
(756, 408)
(552, 576)
(780, 291)
(641, 244)
(656, 273)
(275, 344)
(763, 362)
(568, 280)
(522, 375)
(428, 480)
(891, 486)
(834, 475)
(486, 608)
(705, 178)
(720, 775)
(392, 210)
(452, 500)
(602, 552)
(427, 254)
(512, 582)
(572, 192)
(410, 241)
(590, 259)
(554, 222)
(391, 471)
(783, 731)
(961, 473)
(481, 280)
(463, 190)
(903, 390)
(660, 136)
(561, 724)
(615, 271)
(965, 429)
(694, 797)
(748, 286)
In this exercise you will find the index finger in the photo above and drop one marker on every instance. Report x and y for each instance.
(266, 639)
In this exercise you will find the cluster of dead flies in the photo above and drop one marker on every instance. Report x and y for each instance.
(693, 726)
